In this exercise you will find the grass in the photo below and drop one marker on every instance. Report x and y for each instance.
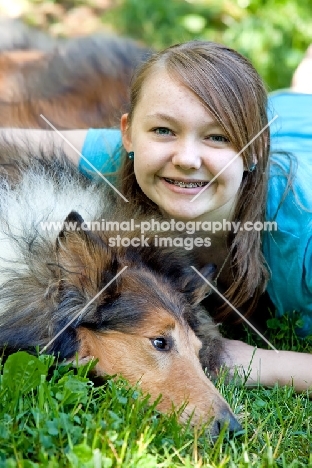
(55, 416)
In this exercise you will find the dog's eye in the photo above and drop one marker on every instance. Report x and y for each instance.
(161, 344)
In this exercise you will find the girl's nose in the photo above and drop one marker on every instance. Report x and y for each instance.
(187, 156)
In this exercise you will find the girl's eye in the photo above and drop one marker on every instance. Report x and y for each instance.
(162, 131)
(161, 343)
(218, 138)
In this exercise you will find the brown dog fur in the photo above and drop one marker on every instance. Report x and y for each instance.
(81, 83)
(147, 325)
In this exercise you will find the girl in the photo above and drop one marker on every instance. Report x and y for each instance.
(197, 140)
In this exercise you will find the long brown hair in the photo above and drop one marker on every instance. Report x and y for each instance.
(233, 92)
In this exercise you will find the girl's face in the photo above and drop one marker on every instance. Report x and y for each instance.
(178, 148)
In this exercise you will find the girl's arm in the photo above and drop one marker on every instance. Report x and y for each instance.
(46, 140)
(268, 367)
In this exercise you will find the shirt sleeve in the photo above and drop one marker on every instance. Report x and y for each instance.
(288, 251)
(305, 325)
(101, 152)
(308, 265)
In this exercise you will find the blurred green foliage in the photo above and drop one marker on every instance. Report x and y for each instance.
(273, 34)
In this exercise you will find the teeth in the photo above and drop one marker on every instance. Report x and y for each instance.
(186, 184)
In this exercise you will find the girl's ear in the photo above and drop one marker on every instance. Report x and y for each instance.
(125, 132)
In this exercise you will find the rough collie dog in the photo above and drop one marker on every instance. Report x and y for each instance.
(65, 291)
(77, 83)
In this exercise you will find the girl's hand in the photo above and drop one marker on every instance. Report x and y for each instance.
(268, 367)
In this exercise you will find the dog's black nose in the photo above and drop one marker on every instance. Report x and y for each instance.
(225, 418)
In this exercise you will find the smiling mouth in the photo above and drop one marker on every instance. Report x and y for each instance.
(180, 183)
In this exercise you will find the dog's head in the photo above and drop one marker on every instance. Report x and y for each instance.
(135, 309)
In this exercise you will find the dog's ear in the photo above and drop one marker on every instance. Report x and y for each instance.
(195, 284)
(82, 255)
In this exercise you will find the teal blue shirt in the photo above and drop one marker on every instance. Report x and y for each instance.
(101, 152)
(288, 251)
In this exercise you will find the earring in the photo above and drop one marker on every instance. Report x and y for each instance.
(131, 154)
(252, 167)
